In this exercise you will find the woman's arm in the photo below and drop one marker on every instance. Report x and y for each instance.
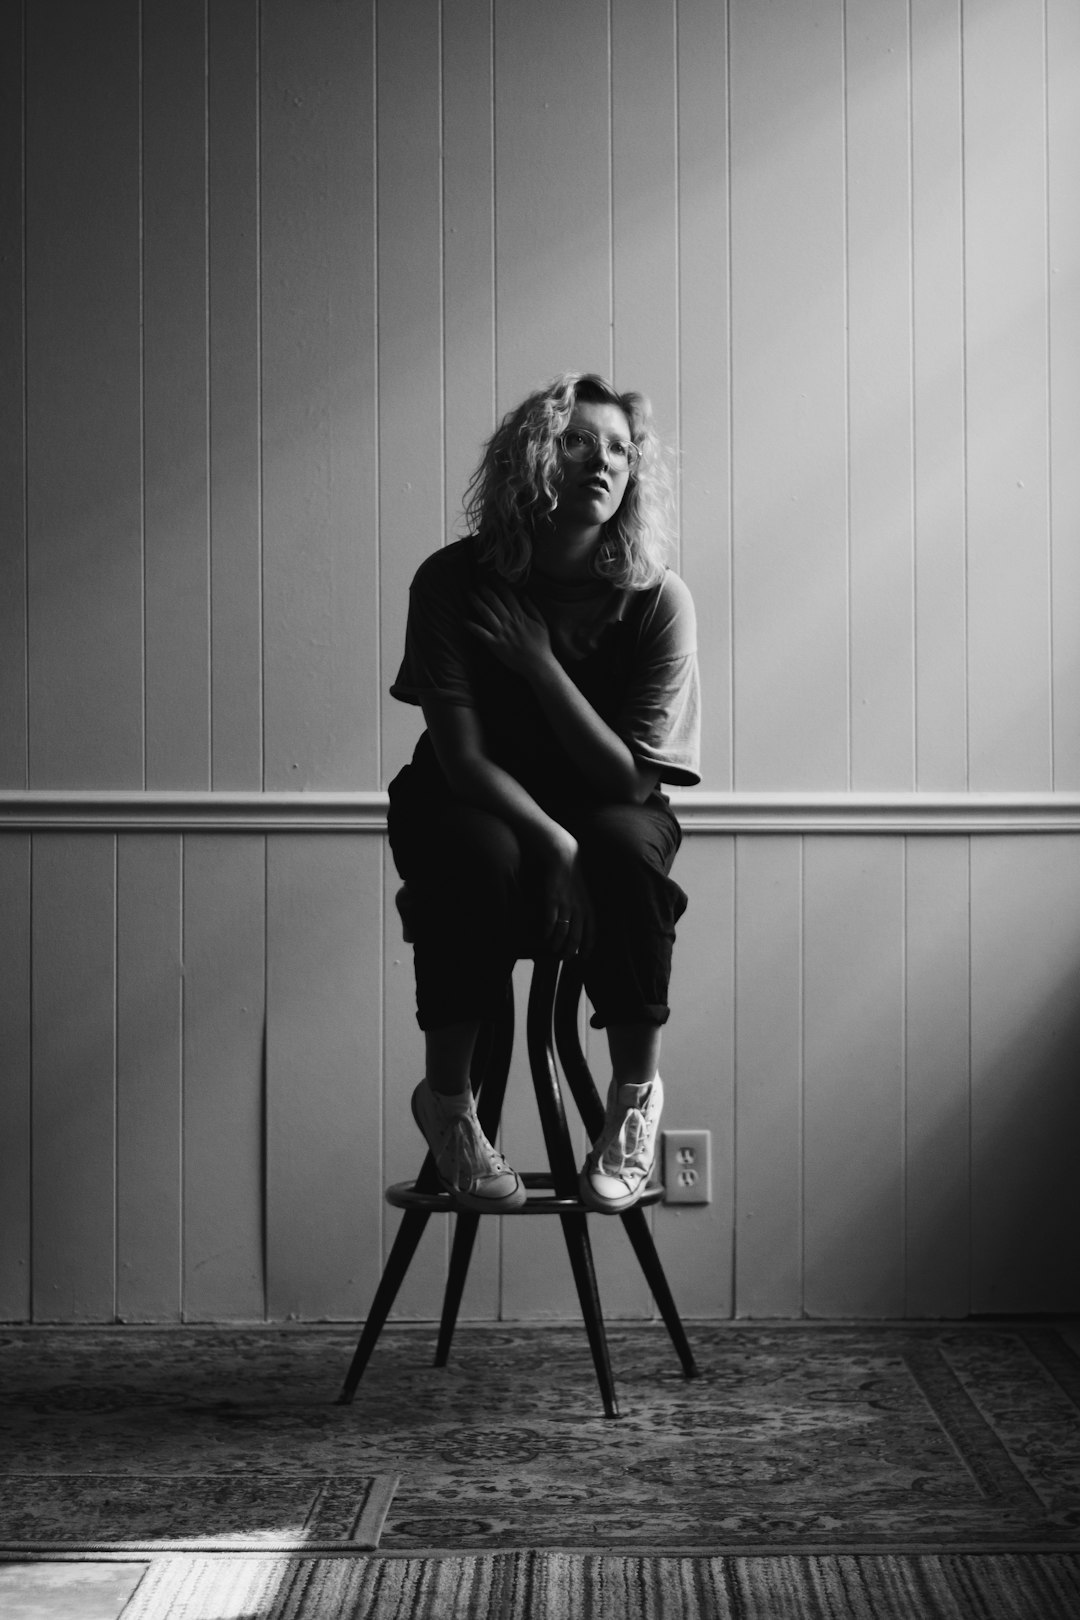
(457, 738)
(518, 636)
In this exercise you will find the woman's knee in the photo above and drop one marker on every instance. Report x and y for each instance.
(460, 851)
(628, 840)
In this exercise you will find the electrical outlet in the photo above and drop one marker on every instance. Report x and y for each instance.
(687, 1161)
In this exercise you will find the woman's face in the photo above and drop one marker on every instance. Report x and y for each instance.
(591, 491)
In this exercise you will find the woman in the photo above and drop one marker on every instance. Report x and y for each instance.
(554, 657)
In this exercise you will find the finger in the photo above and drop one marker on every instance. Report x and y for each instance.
(558, 930)
(502, 601)
(489, 611)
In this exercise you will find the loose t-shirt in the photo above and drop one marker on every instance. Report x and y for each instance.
(632, 654)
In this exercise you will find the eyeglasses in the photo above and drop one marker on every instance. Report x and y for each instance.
(580, 444)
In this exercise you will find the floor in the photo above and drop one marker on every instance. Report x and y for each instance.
(122, 1446)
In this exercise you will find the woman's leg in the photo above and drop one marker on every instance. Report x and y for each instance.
(463, 870)
(635, 1052)
(626, 853)
(462, 867)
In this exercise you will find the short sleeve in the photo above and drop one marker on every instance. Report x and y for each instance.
(436, 662)
(660, 719)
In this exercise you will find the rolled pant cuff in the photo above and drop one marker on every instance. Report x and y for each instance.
(650, 1013)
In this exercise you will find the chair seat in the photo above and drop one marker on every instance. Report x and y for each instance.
(404, 1195)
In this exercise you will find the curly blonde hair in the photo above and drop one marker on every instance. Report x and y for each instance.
(513, 488)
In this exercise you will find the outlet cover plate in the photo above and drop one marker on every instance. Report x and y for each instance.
(687, 1166)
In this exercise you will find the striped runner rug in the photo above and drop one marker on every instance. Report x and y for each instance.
(535, 1585)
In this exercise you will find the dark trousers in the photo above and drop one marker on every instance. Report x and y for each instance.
(475, 897)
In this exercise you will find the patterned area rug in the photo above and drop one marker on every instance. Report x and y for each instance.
(562, 1586)
(797, 1438)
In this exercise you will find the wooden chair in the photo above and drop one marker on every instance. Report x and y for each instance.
(552, 1025)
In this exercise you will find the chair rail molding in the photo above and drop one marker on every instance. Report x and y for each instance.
(698, 810)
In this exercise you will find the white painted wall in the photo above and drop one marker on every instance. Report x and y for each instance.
(268, 273)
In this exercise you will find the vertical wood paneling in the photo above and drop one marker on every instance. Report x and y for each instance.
(552, 193)
(358, 230)
(149, 1101)
(1025, 1016)
(877, 160)
(410, 333)
(468, 243)
(937, 269)
(1063, 195)
(788, 469)
(937, 1125)
(704, 422)
(224, 1061)
(74, 1077)
(698, 1065)
(1007, 444)
(768, 1069)
(13, 672)
(853, 1086)
(83, 395)
(644, 205)
(233, 375)
(323, 1073)
(318, 321)
(175, 467)
(15, 1092)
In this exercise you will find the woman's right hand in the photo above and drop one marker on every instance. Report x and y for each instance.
(567, 923)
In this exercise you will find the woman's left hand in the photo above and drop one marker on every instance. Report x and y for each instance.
(514, 630)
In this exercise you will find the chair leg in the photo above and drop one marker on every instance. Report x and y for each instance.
(549, 1099)
(578, 1247)
(465, 1230)
(404, 1247)
(637, 1230)
(579, 1077)
(591, 1108)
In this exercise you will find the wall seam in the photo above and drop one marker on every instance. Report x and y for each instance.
(142, 382)
(730, 339)
(31, 1110)
(905, 977)
(441, 37)
(846, 247)
(970, 1235)
(376, 371)
(180, 1158)
(259, 402)
(116, 1073)
(801, 1080)
(1048, 243)
(913, 483)
(677, 188)
(209, 403)
(611, 192)
(25, 245)
(965, 503)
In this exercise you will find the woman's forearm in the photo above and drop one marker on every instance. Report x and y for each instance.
(480, 781)
(595, 749)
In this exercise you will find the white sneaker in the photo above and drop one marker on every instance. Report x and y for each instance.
(475, 1175)
(616, 1172)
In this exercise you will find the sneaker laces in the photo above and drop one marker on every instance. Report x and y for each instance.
(466, 1155)
(629, 1149)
